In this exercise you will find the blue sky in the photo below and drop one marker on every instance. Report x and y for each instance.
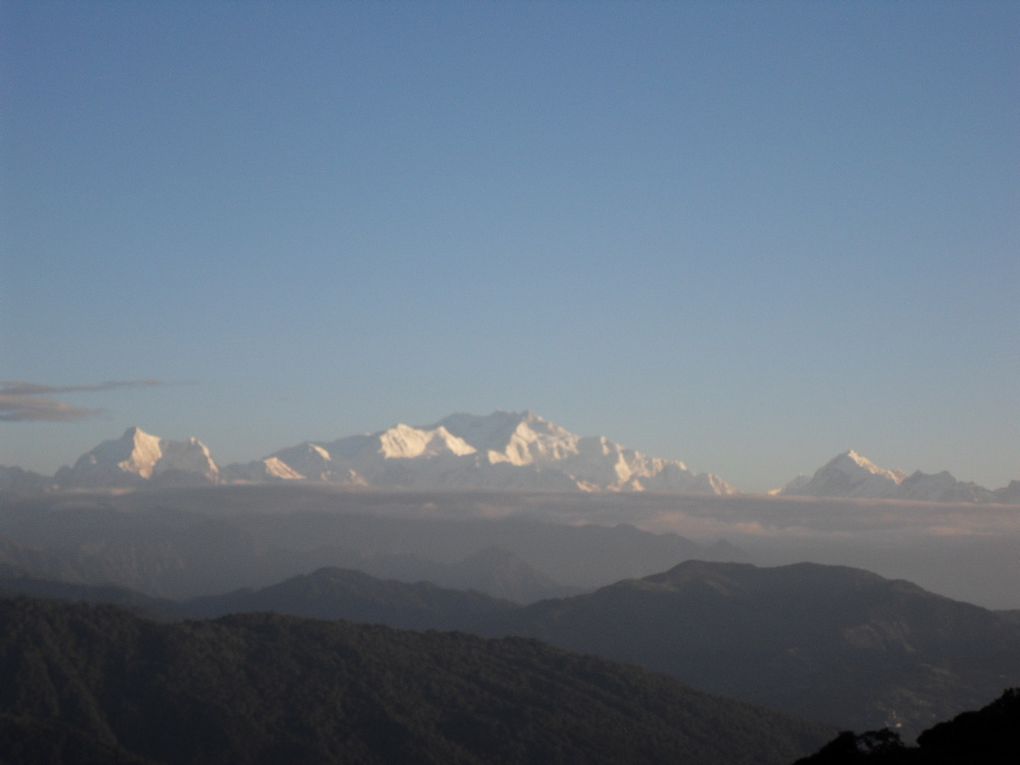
(745, 235)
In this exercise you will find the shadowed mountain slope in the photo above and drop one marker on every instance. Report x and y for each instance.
(16, 582)
(825, 642)
(94, 683)
(838, 645)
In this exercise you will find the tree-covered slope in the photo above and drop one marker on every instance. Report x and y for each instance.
(829, 643)
(85, 683)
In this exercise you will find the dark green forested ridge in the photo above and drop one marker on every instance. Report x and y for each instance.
(91, 683)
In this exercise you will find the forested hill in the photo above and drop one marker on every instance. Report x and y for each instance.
(828, 643)
(87, 684)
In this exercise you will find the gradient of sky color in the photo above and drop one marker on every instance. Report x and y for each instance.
(748, 235)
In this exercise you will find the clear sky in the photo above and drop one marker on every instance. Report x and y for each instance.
(747, 235)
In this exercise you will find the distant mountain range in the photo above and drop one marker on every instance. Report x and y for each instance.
(852, 475)
(500, 451)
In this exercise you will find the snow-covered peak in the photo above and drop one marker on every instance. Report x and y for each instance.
(852, 463)
(403, 442)
(502, 450)
(137, 457)
(591, 463)
(191, 456)
(849, 474)
(135, 453)
(307, 460)
(517, 438)
(279, 470)
(943, 487)
(485, 432)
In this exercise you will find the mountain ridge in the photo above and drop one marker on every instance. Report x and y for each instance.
(851, 475)
(501, 450)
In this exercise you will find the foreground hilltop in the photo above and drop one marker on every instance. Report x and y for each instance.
(988, 735)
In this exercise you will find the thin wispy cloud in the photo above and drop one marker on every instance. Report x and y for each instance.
(21, 388)
(22, 401)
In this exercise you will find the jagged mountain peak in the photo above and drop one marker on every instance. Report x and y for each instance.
(499, 450)
(518, 450)
(407, 442)
(136, 457)
(853, 461)
(850, 474)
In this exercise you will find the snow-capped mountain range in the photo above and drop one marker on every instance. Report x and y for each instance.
(503, 450)
(499, 451)
(852, 475)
